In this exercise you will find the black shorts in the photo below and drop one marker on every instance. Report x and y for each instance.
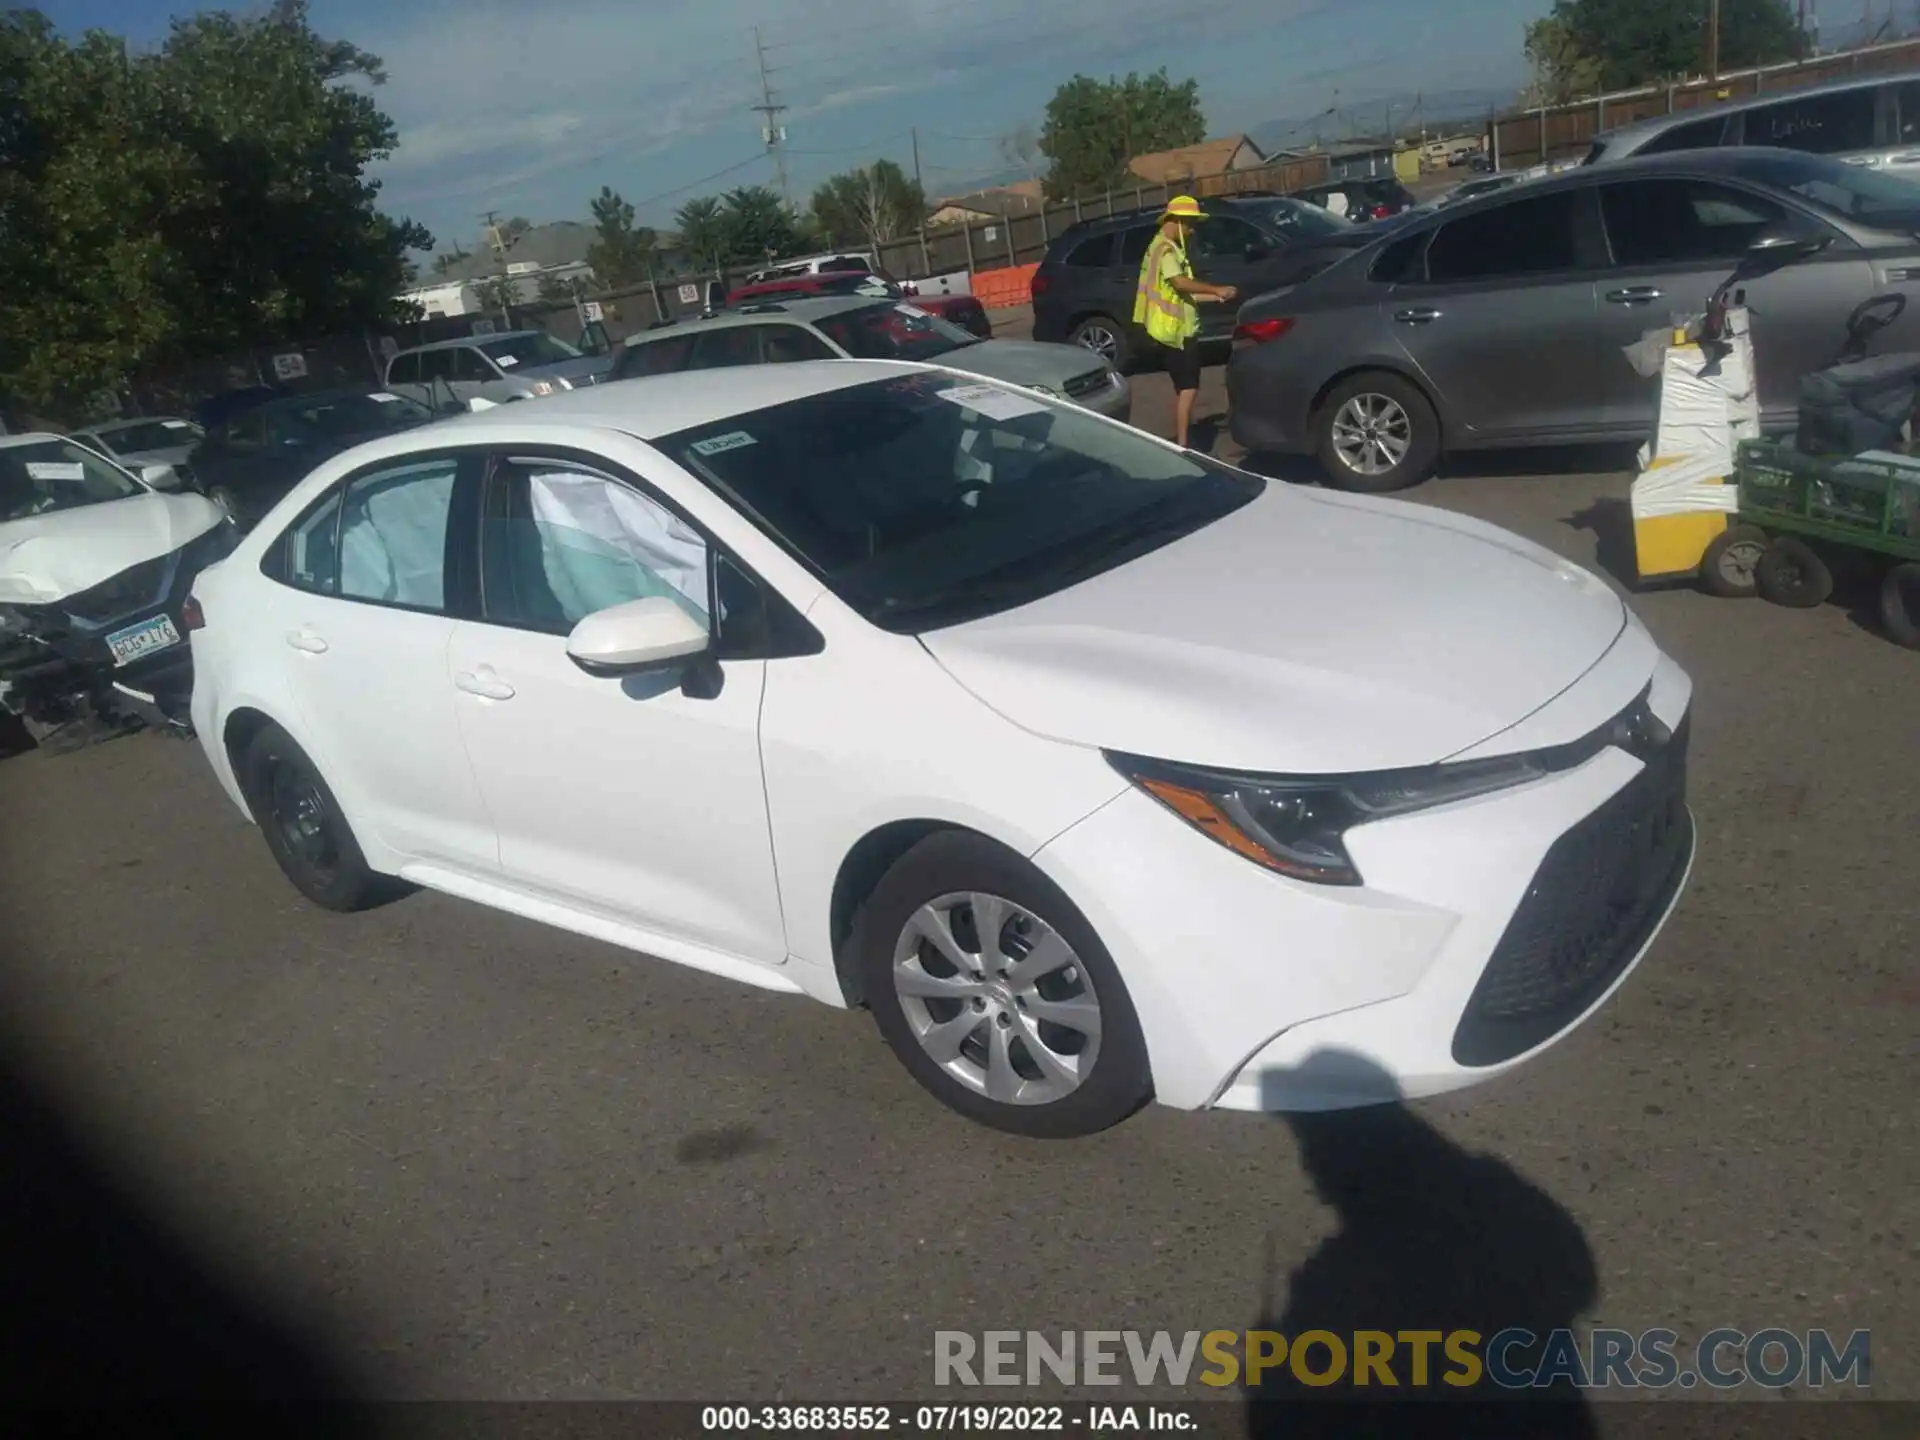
(1183, 364)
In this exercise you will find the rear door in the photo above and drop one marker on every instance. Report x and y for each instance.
(1672, 241)
(1227, 250)
(1501, 326)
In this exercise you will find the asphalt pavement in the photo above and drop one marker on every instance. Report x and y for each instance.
(436, 1152)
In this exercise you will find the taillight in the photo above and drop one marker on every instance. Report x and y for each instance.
(1041, 284)
(1259, 332)
(192, 615)
(1381, 212)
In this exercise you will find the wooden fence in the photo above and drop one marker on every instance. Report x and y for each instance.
(1565, 132)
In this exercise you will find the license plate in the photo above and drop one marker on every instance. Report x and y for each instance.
(148, 636)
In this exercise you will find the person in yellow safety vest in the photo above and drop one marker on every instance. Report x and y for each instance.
(1164, 303)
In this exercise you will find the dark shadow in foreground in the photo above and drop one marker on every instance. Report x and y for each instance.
(113, 1325)
(1431, 1239)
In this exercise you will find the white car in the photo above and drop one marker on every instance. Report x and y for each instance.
(1097, 769)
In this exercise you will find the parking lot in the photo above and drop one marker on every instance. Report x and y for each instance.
(483, 1159)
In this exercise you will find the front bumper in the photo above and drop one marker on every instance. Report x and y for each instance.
(1486, 931)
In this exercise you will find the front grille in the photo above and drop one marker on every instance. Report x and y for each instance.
(1593, 903)
(1086, 384)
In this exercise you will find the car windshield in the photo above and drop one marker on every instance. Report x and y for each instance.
(534, 349)
(335, 415)
(893, 332)
(43, 476)
(1871, 197)
(147, 435)
(1296, 219)
(928, 499)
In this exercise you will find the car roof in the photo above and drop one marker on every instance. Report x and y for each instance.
(656, 405)
(1654, 124)
(803, 308)
(460, 340)
(107, 426)
(1150, 214)
(31, 437)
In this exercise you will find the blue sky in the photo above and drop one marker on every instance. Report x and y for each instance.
(529, 106)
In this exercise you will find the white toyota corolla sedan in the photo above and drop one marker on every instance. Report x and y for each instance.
(1098, 770)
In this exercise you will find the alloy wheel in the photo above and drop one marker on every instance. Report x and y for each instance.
(1102, 341)
(997, 998)
(1372, 433)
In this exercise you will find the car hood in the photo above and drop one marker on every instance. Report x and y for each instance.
(1023, 362)
(1306, 633)
(48, 557)
(586, 367)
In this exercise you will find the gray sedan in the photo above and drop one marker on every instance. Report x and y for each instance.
(855, 327)
(1501, 322)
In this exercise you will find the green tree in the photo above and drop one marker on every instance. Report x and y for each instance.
(1094, 127)
(1561, 70)
(622, 252)
(187, 200)
(1638, 42)
(555, 291)
(704, 233)
(758, 226)
(870, 205)
(497, 294)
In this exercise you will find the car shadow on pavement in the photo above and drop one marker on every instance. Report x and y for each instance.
(1609, 520)
(112, 1318)
(1433, 1239)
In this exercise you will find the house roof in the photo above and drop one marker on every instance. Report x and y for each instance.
(1210, 157)
(1003, 201)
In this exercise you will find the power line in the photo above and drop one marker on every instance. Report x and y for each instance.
(703, 180)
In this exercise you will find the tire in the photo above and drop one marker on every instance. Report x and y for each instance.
(939, 888)
(1900, 605)
(1379, 419)
(1727, 568)
(308, 836)
(1115, 344)
(1789, 573)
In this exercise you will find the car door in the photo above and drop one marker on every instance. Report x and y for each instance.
(436, 381)
(1499, 321)
(632, 798)
(371, 578)
(1673, 240)
(403, 378)
(475, 377)
(1226, 250)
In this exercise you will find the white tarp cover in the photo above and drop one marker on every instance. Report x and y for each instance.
(1684, 487)
(602, 545)
(1707, 406)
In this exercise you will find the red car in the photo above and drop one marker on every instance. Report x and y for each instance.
(962, 310)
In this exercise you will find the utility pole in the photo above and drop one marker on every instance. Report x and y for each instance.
(772, 131)
(926, 257)
(1713, 39)
(491, 221)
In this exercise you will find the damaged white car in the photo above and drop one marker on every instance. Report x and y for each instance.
(95, 569)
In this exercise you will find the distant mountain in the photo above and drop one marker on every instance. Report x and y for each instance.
(1410, 111)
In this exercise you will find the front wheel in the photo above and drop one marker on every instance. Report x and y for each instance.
(1727, 568)
(1376, 432)
(997, 995)
(1107, 338)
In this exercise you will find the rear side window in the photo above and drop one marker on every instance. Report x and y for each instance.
(1532, 236)
(657, 357)
(722, 349)
(1817, 124)
(1094, 254)
(1694, 135)
(1399, 261)
(1133, 245)
(405, 370)
(312, 557)
(393, 535)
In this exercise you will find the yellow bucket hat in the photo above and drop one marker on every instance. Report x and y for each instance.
(1183, 207)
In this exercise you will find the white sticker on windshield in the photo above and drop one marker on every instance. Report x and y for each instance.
(174, 424)
(56, 470)
(993, 402)
(506, 362)
(384, 398)
(719, 444)
(915, 311)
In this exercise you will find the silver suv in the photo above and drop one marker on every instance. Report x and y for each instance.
(859, 327)
(518, 365)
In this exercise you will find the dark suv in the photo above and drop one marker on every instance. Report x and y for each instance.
(1376, 198)
(1083, 291)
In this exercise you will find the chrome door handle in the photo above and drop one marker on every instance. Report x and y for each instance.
(1417, 317)
(487, 686)
(1633, 295)
(306, 640)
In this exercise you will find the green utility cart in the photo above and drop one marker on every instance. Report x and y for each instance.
(1803, 518)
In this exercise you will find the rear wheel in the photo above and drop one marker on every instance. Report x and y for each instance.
(1727, 568)
(1107, 338)
(1900, 605)
(1375, 432)
(304, 827)
(997, 995)
(1790, 573)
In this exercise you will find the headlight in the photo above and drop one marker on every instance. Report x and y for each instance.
(1298, 826)
(542, 387)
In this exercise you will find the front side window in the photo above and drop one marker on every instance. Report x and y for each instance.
(785, 344)
(470, 368)
(1133, 245)
(534, 348)
(1695, 135)
(404, 370)
(1222, 236)
(393, 535)
(722, 349)
(436, 365)
(926, 498)
(1872, 197)
(1532, 236)
(656, 357)
(43, 476)
(1678, 222)
(559, 543)
(1094, 254)
(893, 332)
